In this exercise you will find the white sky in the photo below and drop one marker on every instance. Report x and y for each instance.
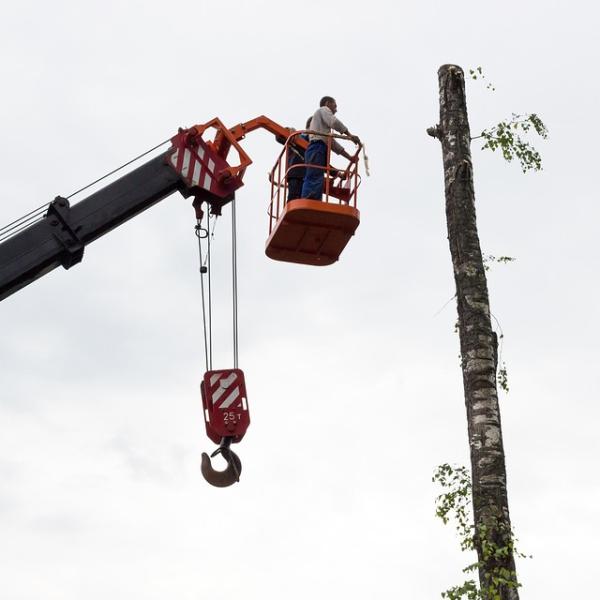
(352, 372)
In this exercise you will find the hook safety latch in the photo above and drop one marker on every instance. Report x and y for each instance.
(227, 418)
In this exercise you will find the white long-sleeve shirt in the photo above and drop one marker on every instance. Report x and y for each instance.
(323, 121)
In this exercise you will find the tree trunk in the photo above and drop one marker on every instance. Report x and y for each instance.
(478, 343)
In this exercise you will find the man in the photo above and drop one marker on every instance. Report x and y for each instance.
(322, 122)
(295, 174)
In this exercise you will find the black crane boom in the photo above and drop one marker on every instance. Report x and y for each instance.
(60, 237)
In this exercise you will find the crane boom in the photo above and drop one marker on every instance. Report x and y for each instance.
(193, 166)
(61, 236)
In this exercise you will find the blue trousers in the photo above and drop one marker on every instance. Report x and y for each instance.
(294, 188)
(295, 173)
(316, 154)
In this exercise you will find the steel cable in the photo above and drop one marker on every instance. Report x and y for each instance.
(205, 267)
(20, 227)
(199, 231)
(32, 217)
(234, 283)
(210, 344)
(119, 168)
(20, 220)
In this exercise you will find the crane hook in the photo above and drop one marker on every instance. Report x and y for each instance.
(234, 466)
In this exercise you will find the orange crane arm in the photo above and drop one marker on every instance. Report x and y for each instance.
(222, 144)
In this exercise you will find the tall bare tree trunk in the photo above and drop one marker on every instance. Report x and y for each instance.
(478, 343)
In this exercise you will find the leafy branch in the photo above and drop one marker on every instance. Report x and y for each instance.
(490, 258)
(494, 539)
(506, 136)
(503, 378)
(477, 73)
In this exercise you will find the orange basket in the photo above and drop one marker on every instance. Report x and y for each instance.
(308, 231)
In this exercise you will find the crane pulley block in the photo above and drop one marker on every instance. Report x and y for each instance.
(203, 166)
(225, 404)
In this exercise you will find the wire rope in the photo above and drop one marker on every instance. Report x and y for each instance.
(206, 268)
(209, 258)
(32, 217)
(206, 290)
(199, 230)
(234, 283)
(119, 168)
(20, 220)
(18, 228)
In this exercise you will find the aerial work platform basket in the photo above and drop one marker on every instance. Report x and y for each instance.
(310, 231)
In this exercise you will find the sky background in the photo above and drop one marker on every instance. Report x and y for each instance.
(352, 370)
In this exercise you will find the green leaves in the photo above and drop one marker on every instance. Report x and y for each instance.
(503, 378)
(506, 136)
(493, 539)
(477, 73)
(490, 258)
(455, 502)
(467, 590)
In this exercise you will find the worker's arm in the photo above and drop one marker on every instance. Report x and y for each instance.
(345, 131)
(335, 123)
(339, 149)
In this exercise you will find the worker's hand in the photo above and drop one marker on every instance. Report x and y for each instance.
(355, 139)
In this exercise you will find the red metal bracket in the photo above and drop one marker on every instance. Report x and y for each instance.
(225, 404)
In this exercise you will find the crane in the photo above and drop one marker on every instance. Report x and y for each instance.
(198, 165)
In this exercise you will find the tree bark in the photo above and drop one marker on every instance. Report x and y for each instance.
(478, 343)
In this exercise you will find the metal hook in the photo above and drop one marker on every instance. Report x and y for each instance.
(222, 478)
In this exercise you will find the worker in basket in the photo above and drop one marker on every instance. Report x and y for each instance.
(294, 165)
(321, 124)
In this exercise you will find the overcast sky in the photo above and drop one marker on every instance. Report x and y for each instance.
(352, 370)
